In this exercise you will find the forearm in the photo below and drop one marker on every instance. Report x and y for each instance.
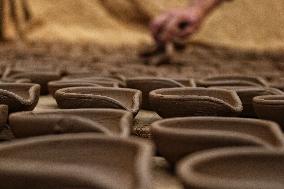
(206, 6)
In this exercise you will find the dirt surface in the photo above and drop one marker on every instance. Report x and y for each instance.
(196, 61)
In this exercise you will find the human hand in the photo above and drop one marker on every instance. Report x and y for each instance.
(178, 23)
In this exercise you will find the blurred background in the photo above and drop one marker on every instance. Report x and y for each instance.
(106, 36)
(254, 24)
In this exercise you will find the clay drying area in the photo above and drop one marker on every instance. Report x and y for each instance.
(196, 63)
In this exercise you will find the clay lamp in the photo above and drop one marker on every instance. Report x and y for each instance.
(178, 137)
(147, 84)
(104, 121)
(231, 80)
(181, 102)
(247, 93)
(270, 107)
(19, 96)
(99, 97)
(233, 168)
(75, 160)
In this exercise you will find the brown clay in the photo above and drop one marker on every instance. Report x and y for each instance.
(9, 80)
(151, 51)
(233, 168)
(79, 75)
(41, 77)
(113, 79)
(181, 102)
(109, 122)
(177, 137)
(76, 72)
(279, 86)
(270, 107)
(198, 62)
(158, 54)
(75, 160)
(247, 93)
(19, 96)
(231, 80)
(3, 115)
(53, 86)
(99, 97)
(105, 82)
(186, 81)
(147, 84)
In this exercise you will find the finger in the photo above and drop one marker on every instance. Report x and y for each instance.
(187, 31)
(170, 31)
(158, 25)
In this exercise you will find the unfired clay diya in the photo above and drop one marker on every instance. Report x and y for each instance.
(180, 102)
(233, 168)
(247, 93)
(19, 96)
(147, 84)
(231, 80)
(178, 137)
(270, 107)
(41, 77)
(99, 97)
(106, 121)
(75, 160)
